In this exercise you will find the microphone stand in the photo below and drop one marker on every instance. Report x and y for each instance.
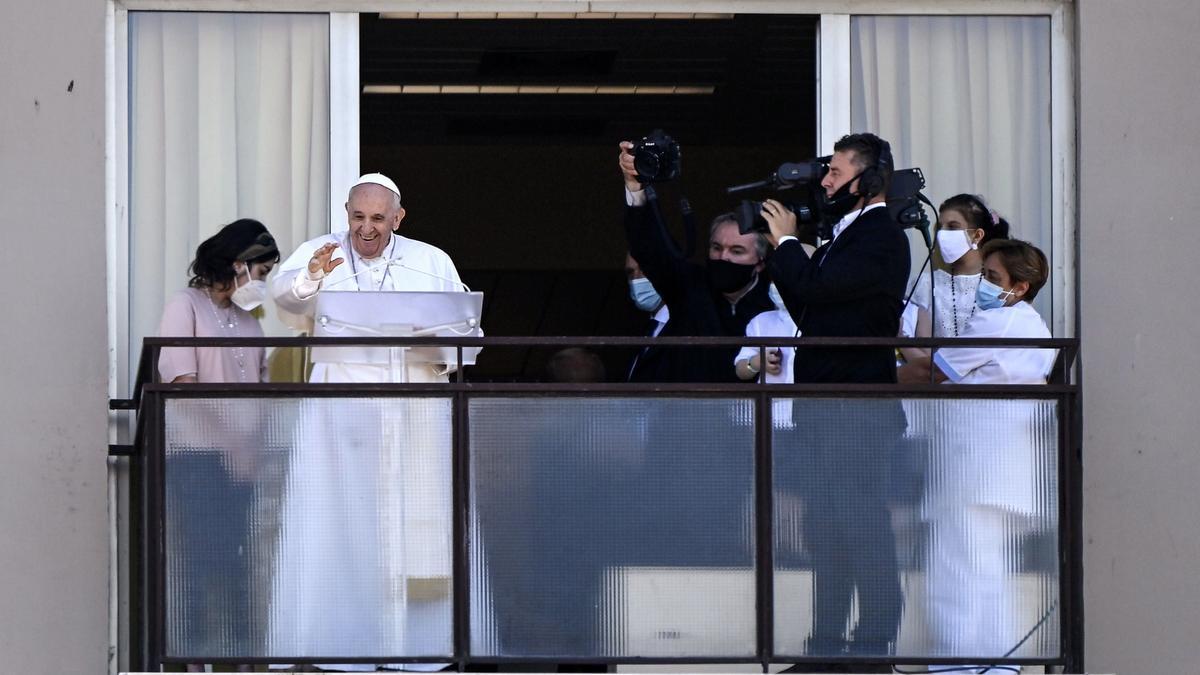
(922, 225)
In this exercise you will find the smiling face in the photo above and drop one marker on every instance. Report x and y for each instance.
(373, 212)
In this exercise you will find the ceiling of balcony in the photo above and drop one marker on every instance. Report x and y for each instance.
(761, 70)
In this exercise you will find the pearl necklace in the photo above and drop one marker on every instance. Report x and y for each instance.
(954, 302)
(230, 325)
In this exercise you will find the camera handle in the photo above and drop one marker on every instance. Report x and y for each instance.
(659, 222)
(689, 227)
(923, 226)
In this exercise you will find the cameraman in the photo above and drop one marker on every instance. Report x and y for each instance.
(716, 299)
(852, 286)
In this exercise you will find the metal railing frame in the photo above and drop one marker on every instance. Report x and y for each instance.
(146, 453)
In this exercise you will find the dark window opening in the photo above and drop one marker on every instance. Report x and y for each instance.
(522, 189)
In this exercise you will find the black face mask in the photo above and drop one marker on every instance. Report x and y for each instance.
(836, 207)
(727, 277)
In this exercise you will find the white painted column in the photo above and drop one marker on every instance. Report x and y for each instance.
(344, 94)
(833, 80)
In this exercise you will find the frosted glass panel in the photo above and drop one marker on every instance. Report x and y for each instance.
(612, 527)
(316, 527)
(926, 527)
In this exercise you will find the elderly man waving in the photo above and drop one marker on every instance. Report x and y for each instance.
(364, 555)
(369, 256)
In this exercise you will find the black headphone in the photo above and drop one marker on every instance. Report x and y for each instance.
(873, 179)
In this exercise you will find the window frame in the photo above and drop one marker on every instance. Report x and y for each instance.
(833, 120)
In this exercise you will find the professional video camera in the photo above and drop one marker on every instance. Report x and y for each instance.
(657, 158)
(805, 177)
(903, 197)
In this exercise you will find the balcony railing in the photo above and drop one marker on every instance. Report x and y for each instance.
(471, 523)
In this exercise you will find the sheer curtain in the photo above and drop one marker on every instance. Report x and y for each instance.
(229, 118)
(967, 99)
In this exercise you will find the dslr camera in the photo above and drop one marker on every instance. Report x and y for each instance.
(656, 157)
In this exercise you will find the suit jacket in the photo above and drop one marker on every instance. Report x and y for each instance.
(696, 309)
(651, 363)
(852, 286)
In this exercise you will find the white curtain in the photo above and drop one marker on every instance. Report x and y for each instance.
(229, 118)
(966, 99)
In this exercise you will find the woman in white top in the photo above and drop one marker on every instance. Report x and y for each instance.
(965, 223)
(775, 323)
(209, 462)
(984, 488)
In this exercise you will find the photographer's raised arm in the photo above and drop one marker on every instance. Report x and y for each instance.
(649, 242)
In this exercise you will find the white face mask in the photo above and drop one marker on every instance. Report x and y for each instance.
(250, 296)
(773, 293)
(954, 244)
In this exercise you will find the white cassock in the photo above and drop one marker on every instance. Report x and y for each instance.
(991, 478)
(363, 563)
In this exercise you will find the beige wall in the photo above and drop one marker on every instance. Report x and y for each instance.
(1139, 138)
(54, 550)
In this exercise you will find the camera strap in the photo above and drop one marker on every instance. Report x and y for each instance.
(689, 227)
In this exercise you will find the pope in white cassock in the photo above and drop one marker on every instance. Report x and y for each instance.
(364, 556)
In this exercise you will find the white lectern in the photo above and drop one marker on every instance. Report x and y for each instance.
(396, 314)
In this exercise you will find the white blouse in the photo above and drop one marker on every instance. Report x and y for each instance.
(954, 302)
(1000, 365)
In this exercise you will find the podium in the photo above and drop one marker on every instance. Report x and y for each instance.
(396, 314)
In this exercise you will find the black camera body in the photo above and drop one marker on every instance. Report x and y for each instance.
(750, 220)
(805, 177)
(657, 158)
(903, 196)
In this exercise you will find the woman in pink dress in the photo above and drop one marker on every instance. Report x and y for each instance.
(228, 282)
(211, 444)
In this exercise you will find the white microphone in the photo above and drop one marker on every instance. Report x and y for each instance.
(364, 270)
(396, 262)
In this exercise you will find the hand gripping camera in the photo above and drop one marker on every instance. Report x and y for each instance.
(657, 158)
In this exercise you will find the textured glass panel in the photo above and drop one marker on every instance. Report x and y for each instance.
(926, 527)
(612, 527)
(316, 527)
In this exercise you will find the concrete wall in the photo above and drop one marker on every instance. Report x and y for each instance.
(1139, 135)
(54, 550)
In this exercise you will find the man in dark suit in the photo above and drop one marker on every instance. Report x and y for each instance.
(715, 299)
(649, 363)
(692, 508)
(852, 286)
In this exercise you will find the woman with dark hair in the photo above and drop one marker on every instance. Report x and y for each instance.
(227, 283)
(965, 224)
(210, 460)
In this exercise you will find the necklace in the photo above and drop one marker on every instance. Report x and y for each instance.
(954, 302)
(230, 325)
(387, 263)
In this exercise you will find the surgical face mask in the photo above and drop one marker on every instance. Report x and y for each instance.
(250, 296)
(954, 244)
(773, 293)
(729, 277)
(834, 208)
(990, 296)
(642, 292)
